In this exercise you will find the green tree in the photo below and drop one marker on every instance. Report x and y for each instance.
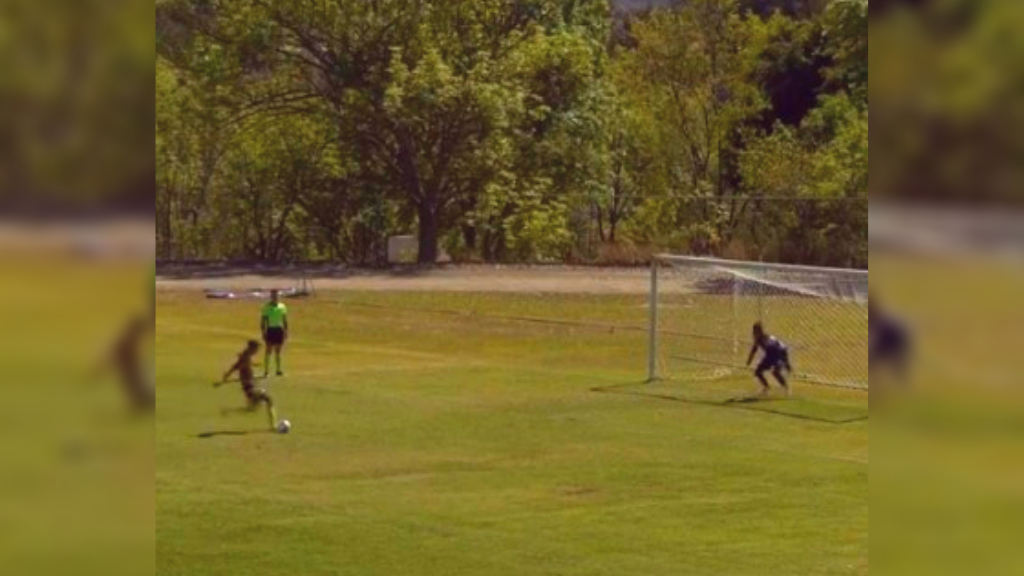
(554, 153)
(76, 125)
(511, 130)
(416, 85)
(691, 68)
(845, 24)
(823, 168)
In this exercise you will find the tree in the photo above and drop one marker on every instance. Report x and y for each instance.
(691, 68)
(631, 136)
(416, 85)
(76, 125)
(823, 168)
(189, 148)
(845, 24)
(554, 154)
(512, 130)
(268, 175)
(791, 69)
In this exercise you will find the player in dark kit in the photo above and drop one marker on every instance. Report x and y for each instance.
(126, 360)
(254, 396)
(888, 343)
(776, 358)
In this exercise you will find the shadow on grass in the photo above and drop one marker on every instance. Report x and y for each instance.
(218, 433)
(753, 403)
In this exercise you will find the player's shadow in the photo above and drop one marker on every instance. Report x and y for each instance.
(218, 433)
(753, 403)
(751, 399)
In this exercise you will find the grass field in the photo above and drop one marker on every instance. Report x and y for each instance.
(445, 434)
(76, 486)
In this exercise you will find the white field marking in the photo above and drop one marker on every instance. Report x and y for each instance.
(381, 350)
(850, 459)
(462, 363)
(372, 369)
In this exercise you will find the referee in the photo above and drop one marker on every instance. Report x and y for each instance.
(274, 326)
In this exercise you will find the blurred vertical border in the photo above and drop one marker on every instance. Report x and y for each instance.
(76, 236)
(947, 256)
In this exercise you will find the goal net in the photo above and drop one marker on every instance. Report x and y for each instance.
(702, 311)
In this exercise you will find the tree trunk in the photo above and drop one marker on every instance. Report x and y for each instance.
(166, 219)
(427, 253)
(487, 246)
(427, 205)
(469, 234)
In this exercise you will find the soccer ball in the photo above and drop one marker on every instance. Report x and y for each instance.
(284, 426)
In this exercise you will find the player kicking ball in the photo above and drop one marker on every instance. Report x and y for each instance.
(126, 360)
(776, 359)
(254, 396)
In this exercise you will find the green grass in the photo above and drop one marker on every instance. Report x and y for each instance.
(76, 491)
(447, 434)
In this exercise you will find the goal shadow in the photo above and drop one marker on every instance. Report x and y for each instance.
(797, 408)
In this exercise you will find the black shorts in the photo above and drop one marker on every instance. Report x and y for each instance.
(888, 345)
(274, 336)
(255, 395)
(774, 360)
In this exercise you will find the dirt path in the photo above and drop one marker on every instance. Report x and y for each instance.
(457, 279)
(102, 239)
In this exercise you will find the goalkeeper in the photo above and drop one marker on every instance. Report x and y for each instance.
(888, 342)
(776, 358)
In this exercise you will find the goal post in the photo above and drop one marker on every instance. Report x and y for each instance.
(652, 327)
(702, 311)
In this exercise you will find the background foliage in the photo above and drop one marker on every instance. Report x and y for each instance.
(512, 130)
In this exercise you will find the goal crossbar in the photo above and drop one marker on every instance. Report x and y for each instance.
(741, 264)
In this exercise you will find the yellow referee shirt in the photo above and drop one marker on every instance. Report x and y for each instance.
(275, 314)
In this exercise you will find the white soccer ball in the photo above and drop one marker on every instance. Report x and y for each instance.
(284, 426)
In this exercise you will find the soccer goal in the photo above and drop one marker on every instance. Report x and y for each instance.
(702, 311)
(301, 287)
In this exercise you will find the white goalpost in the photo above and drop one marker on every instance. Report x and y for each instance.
(702, 311)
